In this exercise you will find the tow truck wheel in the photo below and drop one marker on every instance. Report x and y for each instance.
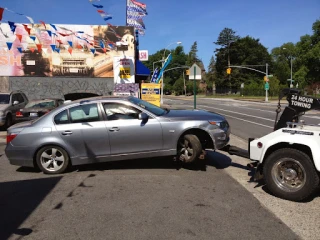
(290, 174)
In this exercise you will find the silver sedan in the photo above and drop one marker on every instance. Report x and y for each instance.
(104, 129)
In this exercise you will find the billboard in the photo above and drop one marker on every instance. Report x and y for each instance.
(63, 50)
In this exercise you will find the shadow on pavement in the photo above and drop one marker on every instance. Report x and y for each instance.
(18, 200)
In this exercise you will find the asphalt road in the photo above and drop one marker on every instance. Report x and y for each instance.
(141, 199)
(247, 119)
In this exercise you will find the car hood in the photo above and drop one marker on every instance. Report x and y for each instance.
(193, 115)
(4, 106)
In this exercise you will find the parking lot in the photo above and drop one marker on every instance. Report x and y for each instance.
(140, 199)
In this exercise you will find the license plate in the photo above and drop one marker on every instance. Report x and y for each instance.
(33, 114)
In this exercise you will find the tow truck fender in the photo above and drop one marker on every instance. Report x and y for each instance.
(286, 136)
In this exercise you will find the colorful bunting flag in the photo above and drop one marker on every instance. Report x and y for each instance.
(70, 43)
(54, 27)
(49, 32)
(57, 50)
(19, 36)
(135, 13)
(53, 47)
(33, 38)
(32, 50)
(97, 5)
(93, 50)
(70, 50)
(27, 28)
(1, 13)
(39, 47)
(12, 26)
(9, 44)
(19, 49)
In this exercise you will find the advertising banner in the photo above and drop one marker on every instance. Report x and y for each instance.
(150, 92)
(63, 50)
(127, 89)
(123, 70)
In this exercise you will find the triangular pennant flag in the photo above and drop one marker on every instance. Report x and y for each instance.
(44, 24)
(49, 32)
(33, 38)
(97, 5)
(57, 50)
(12, 26)
(53, 46)
(39, 46)
(1, 13)
(19, 49)
(66, 46)
(102, 44)
(24, 46)
(45, 50)
(19, 36)
(107, 18)
(9, 44)
(32, 49)
(100, 11)
(79, 46)
(53, 26)
(59, 41)
(104, 50)
(26, 28)
(70, 50)
(30, 19)
(93, 50)
(70, 43)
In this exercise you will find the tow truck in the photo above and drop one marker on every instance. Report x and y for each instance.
(288, 158)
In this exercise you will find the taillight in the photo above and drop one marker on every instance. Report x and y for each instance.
(11, 137)
(19, 114)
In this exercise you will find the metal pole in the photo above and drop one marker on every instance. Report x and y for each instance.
(291, 74)
(184, 84)
(194, 88)
(229, 64)
(266, 82)
(162, 79)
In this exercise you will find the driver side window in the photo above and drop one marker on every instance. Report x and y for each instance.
(119, 111)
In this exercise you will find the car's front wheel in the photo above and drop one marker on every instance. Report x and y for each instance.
(52, 159)
(189, 148)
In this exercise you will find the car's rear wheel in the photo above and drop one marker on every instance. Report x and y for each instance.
(189, 148)
(52, 159)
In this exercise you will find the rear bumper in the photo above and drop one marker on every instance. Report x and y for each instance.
(2, 120)
(20, 156)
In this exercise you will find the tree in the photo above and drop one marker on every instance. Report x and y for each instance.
(192, 56)
(210, 75)
(226, 36)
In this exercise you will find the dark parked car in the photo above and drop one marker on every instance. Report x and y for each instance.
(37, 108)
(113, 128)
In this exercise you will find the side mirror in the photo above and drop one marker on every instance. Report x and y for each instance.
(15, 102)
(143, 116)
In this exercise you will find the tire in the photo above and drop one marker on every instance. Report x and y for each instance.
(55, 165)
(290, 174)
(189, 148)
(8, 122)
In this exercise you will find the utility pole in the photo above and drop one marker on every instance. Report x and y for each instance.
(266, 82)
(229, 64)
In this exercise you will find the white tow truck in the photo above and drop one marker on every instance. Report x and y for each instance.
(288, 159)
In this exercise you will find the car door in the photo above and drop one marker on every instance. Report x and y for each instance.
(127, 134)
(82, 129)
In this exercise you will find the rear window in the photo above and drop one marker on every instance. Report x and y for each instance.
(40, 104)
(62, 117)
(4, 98)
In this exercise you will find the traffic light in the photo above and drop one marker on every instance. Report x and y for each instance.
(187, 72)
(228, 70)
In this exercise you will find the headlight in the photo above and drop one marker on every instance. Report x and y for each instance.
(223, 124)
(1, 113)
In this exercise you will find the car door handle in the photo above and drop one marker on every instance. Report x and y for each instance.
(67, 133)
(114, 129)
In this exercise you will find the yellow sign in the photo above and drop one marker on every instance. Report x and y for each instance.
(150, 92)
(125, 72)
(187, 72)
(229, 71)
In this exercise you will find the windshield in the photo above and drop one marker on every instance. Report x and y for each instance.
(148, 106)
(4, 98)
(40, 104)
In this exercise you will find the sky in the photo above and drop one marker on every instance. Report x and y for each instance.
(274, 22)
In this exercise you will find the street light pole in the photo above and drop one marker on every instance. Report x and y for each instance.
(162, 77)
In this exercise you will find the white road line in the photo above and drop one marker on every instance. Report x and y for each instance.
(244, 120)
(267, 119)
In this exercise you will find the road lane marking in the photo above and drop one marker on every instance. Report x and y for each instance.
(243, 120)
(267, 119)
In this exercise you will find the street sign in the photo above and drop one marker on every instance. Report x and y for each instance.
(270, 75)
(266, 86)
(195, 72)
